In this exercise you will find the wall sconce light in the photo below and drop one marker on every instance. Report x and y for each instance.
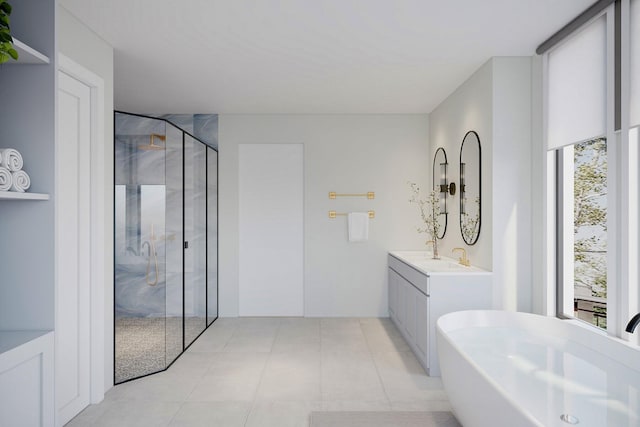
(451, 188)
(444, 187)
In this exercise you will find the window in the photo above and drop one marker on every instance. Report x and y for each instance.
(593, 137)
(583, 173)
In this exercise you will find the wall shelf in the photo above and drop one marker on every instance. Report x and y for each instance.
(27, 54)
(14, 339)
(11, 195)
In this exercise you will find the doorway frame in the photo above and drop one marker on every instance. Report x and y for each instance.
(97, 288)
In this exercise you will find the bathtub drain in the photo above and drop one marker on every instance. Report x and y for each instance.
(570, 419)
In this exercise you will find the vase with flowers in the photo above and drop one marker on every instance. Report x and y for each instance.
(430, 212)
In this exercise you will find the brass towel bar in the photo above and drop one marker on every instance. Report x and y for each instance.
(333, 214)
(368, 195)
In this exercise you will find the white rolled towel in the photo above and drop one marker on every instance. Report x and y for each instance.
(6, 179)
(11, 159)
(21, 181)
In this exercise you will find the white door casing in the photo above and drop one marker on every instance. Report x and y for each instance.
(79, 198)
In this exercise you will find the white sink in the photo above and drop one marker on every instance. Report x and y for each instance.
(423, 260)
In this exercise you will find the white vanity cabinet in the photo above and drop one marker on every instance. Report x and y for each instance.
(421, 290)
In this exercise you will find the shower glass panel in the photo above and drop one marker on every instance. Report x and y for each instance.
(212, 235)
(173, 239)
(195, 220)
(162, 205)
(140, 252)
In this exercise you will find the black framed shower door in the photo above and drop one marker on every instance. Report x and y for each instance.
(165, 243)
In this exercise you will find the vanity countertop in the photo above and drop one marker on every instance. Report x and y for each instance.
(423, 262)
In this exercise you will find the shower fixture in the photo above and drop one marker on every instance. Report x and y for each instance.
(152, 146)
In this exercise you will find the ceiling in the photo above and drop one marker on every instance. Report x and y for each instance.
(309, 56)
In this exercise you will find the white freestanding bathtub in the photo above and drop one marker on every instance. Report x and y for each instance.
(517, 369)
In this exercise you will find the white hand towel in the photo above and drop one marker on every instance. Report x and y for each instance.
(21, 181)
(6, 179)
(358, 223)
(11, 159)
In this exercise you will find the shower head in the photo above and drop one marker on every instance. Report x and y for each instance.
(152, 146)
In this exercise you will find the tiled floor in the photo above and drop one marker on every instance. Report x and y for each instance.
(274, 372)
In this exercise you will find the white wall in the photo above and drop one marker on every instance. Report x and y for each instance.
(541, 301)
(346, 154)
(83, 46)
(512, 182)
(468, 108)
(495, 102)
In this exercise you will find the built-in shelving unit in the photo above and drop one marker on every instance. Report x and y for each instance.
(27, 287)
(13, 339)
(26, 378)
(27, 54)
(27, 120)
(10, 195)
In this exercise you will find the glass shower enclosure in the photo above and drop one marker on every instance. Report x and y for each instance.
(165, 244)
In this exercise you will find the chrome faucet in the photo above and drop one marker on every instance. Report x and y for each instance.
(463, 260)
(631, 326)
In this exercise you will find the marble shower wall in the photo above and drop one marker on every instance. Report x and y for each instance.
(202, 126)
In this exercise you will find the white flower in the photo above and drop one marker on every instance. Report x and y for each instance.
(429, 210)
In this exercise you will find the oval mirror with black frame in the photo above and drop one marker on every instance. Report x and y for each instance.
(470, 188)
(440, 187)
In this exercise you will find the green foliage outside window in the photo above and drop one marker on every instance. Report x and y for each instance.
(590, 224)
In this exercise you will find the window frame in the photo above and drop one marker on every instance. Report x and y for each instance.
(628, 296)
